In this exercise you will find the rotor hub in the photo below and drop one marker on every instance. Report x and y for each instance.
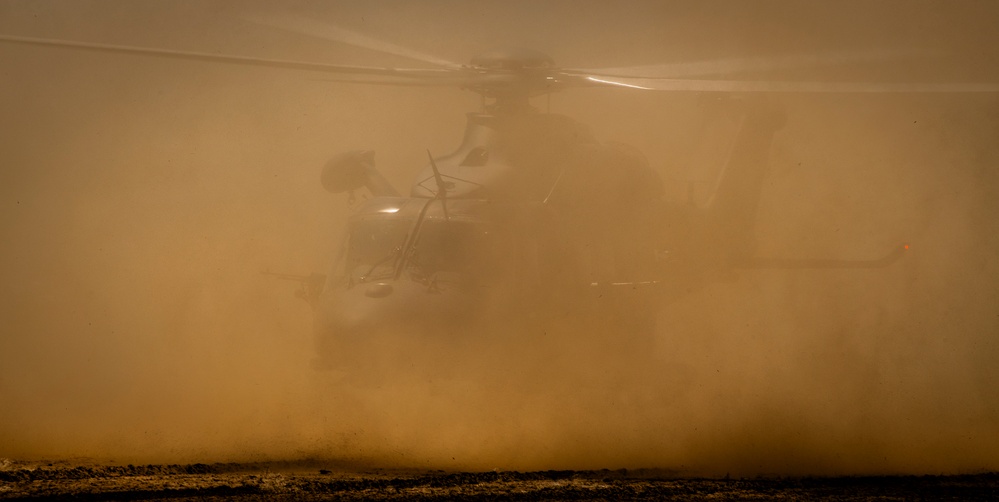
(511, 76)
(513, 58)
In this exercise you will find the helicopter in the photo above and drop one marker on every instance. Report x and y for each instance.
(532, 220)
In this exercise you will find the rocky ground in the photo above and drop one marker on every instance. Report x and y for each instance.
(318, 480)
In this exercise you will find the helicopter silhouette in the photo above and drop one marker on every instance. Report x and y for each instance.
(532, 221)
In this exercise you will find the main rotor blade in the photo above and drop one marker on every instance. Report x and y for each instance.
(399, 80)
(410, 73)
(658, 84)
(335, 33)
(744, 65)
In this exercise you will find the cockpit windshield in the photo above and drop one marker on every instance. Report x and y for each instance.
(374, 247)
(447, 248)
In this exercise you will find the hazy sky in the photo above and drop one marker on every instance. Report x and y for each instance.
(143, 196)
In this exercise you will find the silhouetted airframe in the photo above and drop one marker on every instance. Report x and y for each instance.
(532, 222)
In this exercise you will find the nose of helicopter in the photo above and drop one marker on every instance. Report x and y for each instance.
(356, 324)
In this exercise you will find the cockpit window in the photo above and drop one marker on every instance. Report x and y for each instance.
(373, 248)
(453, 247)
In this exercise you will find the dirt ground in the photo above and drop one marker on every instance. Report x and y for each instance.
(314, 480)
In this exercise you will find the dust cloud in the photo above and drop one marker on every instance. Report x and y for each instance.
(142, 198)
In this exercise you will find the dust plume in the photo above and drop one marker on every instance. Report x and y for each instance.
(143, 197)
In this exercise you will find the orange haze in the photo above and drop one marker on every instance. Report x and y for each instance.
(143, 196)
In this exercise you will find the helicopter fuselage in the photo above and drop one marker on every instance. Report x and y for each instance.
(528, 221)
